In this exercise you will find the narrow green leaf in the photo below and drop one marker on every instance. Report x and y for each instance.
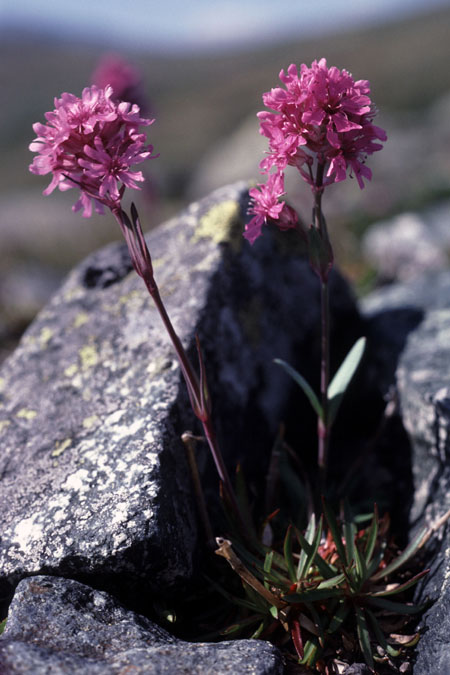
(309, 536)
(371, 537)
(326, 569)
(235, 627)
(376, 561)
(314, 595)
(349, 534)
(363, 636)
(339, 617)
(268, 566)
(307, 389)
(333, 525)
(256, 565)
(2, 625)
(310, 653)
(259, 630)
(401, 587)
(342, 378)
(233, 599)
(394, 607)
(333, 582)
(380, 635)
(287, 550)
(311, 557)
(317, 621)
(408, 553)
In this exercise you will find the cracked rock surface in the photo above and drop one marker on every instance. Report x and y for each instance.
(94, 482)
(60, 626)
(423, 381)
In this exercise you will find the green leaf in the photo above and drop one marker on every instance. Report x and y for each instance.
(363, 636)
(408, 553)
(349, 534)
(233, 599)
(309, 536)
(401, 587)
(333, 525)
(361, 569)
(333, 582)
(259, 630)
(314, 595)
(341, 380)
(371, 537)
(307, 389)
(380, 635)
(2, 625)
(339, 617)
(310, 653)
(235, 627)
(287, 550)
(394, 607)
(326, 569)
(313, 537)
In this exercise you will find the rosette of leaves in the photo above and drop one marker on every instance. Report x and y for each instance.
(336, 589)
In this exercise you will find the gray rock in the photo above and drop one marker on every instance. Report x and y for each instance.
(423, 383)
(409, 244)
(60, 626)
(94, 480)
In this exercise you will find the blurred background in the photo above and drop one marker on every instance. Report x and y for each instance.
(200, 69)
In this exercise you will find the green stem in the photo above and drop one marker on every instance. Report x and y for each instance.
(323, 426)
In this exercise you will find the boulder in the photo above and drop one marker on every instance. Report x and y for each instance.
(60, 626)
(94, 481)
(410, 244)
(422, 376)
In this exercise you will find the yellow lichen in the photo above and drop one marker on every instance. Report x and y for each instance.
(26, 414)
(70, 371)
(60, 446)
(89, 356)
(80, 319)
(44, 336)
(4, 424)
(89, 422)
(219, 224)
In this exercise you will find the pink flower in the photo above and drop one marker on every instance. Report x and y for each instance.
(123, 77)
(321, 125)
(266, 205)
(91, 143)
(322, 117)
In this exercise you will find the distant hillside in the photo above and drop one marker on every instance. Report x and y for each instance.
(199, 99)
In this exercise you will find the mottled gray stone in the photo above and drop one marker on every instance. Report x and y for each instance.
(94, 483)
(423, 381)
(60, 626)
(410, 244)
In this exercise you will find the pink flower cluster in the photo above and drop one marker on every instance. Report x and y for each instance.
(91, 143)
(322, 125)
(123, 77)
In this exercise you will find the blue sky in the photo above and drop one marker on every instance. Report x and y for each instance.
(200, 24)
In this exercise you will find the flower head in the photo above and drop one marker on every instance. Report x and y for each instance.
(266, 205)
(322, 117)
(91, 143)
(322, 125)
(123, 77)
